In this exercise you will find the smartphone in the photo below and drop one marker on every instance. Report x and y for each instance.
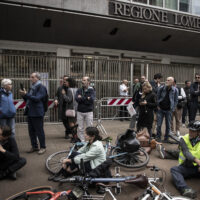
(21, 86)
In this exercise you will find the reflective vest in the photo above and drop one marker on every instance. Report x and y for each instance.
(195, 151)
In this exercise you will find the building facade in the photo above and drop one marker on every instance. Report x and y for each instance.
(107, 40)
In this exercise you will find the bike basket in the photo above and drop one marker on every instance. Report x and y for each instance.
(93, 197)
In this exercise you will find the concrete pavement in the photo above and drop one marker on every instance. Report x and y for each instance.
(35, 174)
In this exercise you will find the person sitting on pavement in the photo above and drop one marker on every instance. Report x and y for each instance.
(9, 154)
(92, 153)
(189, 159)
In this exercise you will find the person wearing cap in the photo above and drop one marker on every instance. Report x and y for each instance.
(7, 107)
(189, 160)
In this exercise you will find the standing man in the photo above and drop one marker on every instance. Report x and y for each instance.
(9, 155)
(123, 92)
(155, 83)
(7, 108)
(85, 97)
(195, 97)
(186, 108)
(167, 99)
(35, 112)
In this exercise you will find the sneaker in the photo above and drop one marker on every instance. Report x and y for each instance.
(161, 151)
(178, 133)
(188, 192)
(41, 151)
(50, 178)
(158, 139)
(67, 136)
(165, 141)
(32, 149)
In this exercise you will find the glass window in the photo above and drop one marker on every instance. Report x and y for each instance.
(184, 5)
(171, 4)
(140, 1)
(156, 2)
(196, 7)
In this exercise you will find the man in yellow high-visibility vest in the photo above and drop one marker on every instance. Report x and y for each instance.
(189, 160)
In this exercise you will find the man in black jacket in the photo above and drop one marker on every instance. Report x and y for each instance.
(195, 97)
(10, 161)
(85, 97)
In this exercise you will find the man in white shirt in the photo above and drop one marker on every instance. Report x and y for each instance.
(123, 92)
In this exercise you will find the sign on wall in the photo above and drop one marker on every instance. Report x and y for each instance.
(153, 15)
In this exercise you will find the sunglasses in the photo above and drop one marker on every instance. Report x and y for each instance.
(197, 77)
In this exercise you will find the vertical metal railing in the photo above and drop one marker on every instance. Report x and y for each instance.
(105, 74)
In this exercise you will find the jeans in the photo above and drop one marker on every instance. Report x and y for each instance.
(180, 172)
(9, 122)
(81, 119)
(35, 128)
(160, 115)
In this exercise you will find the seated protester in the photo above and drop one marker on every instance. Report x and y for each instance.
(92, 153)
(10, 161)
(189, 160)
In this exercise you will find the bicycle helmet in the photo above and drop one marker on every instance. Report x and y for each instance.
(194, 126)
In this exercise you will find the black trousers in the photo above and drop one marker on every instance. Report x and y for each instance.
(12, 166)
(193, 110)
(74, 166)
(36, 130)
(186, 110)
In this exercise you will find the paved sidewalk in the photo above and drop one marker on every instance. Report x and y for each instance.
(35, 174)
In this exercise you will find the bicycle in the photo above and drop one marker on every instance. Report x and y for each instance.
(81, 190)
(137, 159)
(153, 192)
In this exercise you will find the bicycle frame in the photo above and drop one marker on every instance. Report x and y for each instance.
(54, 196)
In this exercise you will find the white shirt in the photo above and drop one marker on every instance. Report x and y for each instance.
(123, 87)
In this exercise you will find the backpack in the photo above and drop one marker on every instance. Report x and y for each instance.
(128, 141)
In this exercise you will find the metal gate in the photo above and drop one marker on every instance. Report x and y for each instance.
(105, 74)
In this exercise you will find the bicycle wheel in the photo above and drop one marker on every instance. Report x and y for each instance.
(23, 195)
(54, 161)
(136, 159)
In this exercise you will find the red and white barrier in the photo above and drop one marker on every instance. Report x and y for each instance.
(119, 101)
(20, 104)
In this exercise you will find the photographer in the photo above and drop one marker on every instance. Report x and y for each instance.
(85, 97)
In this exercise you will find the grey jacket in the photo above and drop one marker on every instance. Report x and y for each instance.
(173, 96)
(94, 153)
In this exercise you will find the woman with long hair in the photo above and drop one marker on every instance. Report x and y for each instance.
(92, 154)
(147, 104)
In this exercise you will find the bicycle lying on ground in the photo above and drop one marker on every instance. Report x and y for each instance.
(153, 192)
(81, 188)
(137, 159)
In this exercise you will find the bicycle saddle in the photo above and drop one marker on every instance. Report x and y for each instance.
(140, 181)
